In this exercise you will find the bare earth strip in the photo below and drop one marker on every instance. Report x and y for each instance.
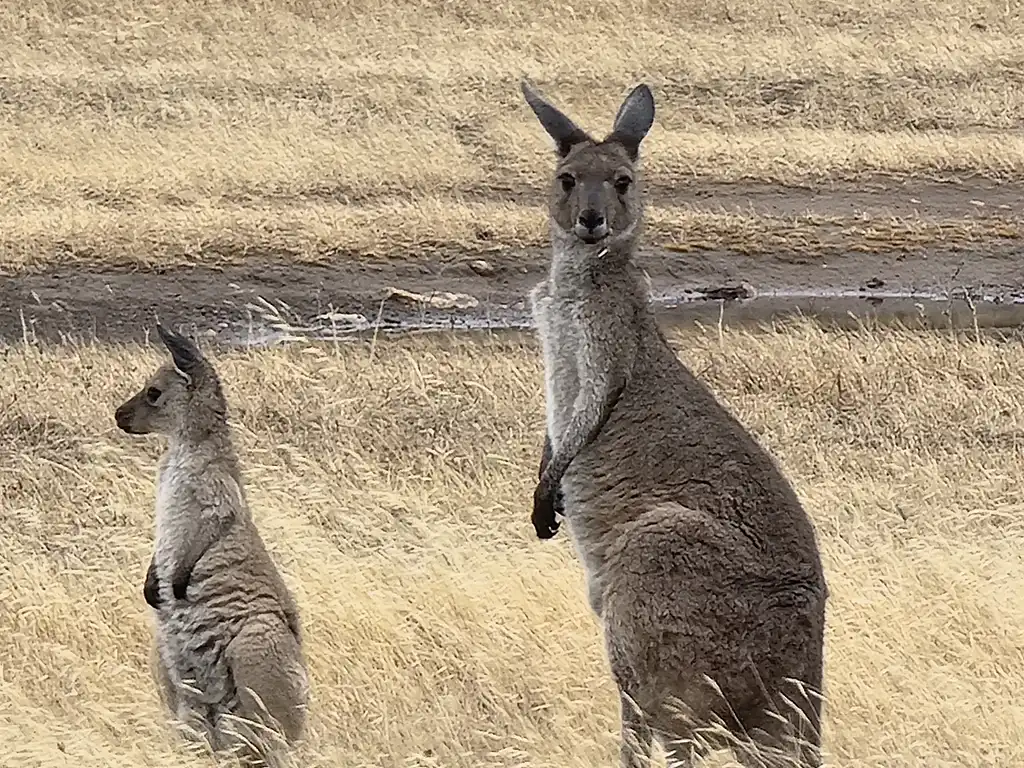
(880, 237)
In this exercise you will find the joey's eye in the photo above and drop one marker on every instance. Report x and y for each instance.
(568, 182)
(622, 184)
(152, 395)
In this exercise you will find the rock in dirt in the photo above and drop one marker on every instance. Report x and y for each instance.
(733, 292)
(344, 320)
(436, 300)
(482, 268)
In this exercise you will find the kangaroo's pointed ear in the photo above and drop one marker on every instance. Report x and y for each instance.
(634, 119)
(185, 354)
(559, 127)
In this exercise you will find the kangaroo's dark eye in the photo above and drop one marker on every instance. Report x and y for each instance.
(568, 182)
(622, 184)
(152, 395)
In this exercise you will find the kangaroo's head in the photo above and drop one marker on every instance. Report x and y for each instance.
(595, 197)
(183, 396)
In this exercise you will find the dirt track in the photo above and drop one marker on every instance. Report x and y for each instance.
(236, 302)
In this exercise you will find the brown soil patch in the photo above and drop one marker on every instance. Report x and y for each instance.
(954, 237)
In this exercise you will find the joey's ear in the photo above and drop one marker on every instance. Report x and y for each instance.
(559, 127)
(184, 352)
(633, 120)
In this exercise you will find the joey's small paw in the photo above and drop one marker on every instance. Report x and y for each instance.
(151, 591)
(151, 587)
(179, 588)
(545, 521)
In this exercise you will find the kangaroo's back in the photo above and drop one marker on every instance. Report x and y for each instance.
(670, 439)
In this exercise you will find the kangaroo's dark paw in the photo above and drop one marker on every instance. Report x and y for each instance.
(544, 517)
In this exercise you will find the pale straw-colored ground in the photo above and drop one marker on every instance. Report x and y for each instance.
(190, 130)
(394, 493)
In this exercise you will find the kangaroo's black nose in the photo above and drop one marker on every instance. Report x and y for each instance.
(591, 219)
(123, 418)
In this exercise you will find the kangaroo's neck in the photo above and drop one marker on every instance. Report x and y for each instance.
(576, 266)
(205, 445)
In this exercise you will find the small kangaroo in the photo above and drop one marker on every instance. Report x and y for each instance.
(230, 663)
(699, 558)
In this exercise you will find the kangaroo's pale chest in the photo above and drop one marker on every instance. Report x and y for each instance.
(558, 328)
(172, 513)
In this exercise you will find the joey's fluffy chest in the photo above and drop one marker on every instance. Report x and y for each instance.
(192, 493)
(174, 481)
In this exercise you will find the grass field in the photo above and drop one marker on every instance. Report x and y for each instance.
(192, 130)
(393, 483)
(393, 486)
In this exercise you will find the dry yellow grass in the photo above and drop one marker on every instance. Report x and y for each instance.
(191, 129)
(394, 494)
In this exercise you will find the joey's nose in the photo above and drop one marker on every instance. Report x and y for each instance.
(123, 418)
(591, 219)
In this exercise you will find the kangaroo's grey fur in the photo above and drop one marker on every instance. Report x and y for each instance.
(230, 663)
(699, 558)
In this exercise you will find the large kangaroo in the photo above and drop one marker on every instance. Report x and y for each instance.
(230, 663)
(698, 556)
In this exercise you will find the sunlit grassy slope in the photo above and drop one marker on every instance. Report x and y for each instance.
(186, 130)
(393, 491)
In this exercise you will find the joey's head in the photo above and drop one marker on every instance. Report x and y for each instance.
(595, 198)
(183, 397)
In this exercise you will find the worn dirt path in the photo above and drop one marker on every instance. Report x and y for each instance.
(233, 302)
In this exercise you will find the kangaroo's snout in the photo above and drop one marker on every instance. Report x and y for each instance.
(591, 226)
(123, 416)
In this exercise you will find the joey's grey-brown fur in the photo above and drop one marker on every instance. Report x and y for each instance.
(227, 628)
(699, 558)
